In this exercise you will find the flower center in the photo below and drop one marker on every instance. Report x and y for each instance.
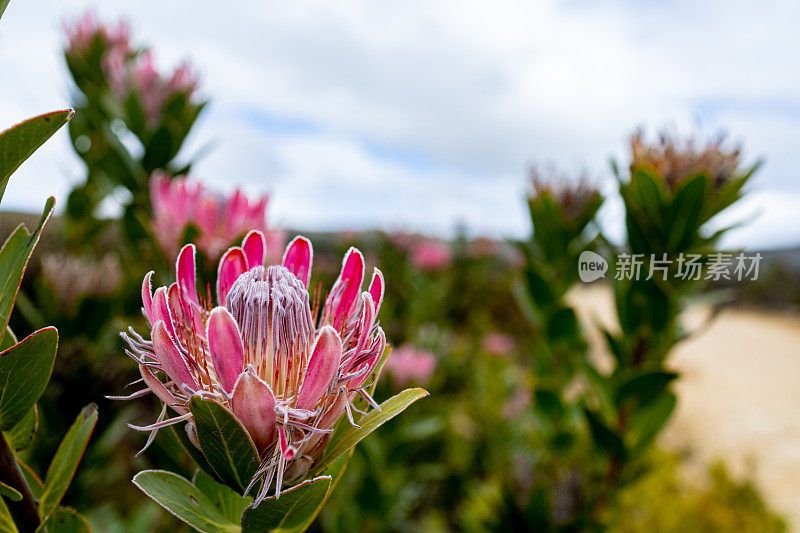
(272, 309)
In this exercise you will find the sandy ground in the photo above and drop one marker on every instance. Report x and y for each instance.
(739, 395)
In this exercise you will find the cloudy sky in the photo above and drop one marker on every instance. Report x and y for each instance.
(420, 115)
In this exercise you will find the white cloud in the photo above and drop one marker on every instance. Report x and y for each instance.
(424, 114)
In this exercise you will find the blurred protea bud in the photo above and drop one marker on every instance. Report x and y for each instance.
(84, 32)
(431, 255)
(74, 278)
(140, 77)
(677, 159)
(411, 365)
(219, 219)
(497, 343)
(285, 365)
(576, 197)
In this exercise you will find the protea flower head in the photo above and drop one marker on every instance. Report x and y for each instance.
(82, 33)
(285, 364)
(219, 219)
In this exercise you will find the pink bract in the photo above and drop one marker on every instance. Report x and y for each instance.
(287, 368)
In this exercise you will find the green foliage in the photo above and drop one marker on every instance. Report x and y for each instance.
(188, 502)
(717, 503)
(24, 372)
(66, 460)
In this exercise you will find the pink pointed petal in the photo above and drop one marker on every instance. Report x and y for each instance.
(376, 289)
(184, 313)
(366, 322)
(225, 346)
(322, 368)
(160, 390)
(232, 265)
(185, 269)
(255, 249)
(378, 347)
(147, 297)
(349, 283)
(170, 357)
(161, 310)
(253, 404)
(298, 258)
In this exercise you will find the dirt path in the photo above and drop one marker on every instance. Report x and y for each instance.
(739, 396)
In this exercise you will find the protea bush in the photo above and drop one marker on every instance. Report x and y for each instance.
(263, 377)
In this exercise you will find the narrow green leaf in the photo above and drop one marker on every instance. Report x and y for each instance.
(3, 6)
(66, 520)
(66, 460)
(289, 511)
(24, 372)
(184, 501)
(19, 142)
(21, 435)
(225, 443)
(33, 481)
(348, 436)
(14, 257)
(6, 522)
(10, 492)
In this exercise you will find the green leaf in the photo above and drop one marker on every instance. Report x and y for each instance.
(24, 372)
(21, 435)
(646, 423)
(19, 142)
(33, 481)
(10, 492)
(14, 257)
(66, 460)
(229, 502)
(225, 443)
(335, 471)
(684, 218)
(6, 522)
(290, 510)
(644, 388)
(66, 520)
(604, 437)
(8, 340)
(348, 436)
(3, 6)
(184, 501)
(563, 325)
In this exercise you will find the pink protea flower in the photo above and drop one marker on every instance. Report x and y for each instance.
(82, 32)
(178, 202)
(411, 365)
(431, 255)
(497, 343)
(286, 368)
